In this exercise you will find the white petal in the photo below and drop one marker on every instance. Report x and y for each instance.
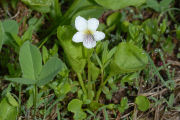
(78, 37)
(89, 42)
(93, 24)
(81, 23)
(98, 35)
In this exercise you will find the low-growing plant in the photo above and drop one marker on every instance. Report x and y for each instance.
(87, 58)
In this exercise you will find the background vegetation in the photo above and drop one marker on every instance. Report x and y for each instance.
(133, 74)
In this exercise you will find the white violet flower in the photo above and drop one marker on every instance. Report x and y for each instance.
(87, 32)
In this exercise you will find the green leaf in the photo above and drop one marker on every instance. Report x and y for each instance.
(73, 51)
(45, 54)
(50, 70)
(94, 105)
(22, 80)
(80, 115)
(150, 26)
(171, 100)
(76, 5)
(142, 103)
(28, 34)
(119, 4)
(89, 12)
(107, 92)
(129, 78)
(113, 18)
(11, 100)
(43, 6)
(30, 61)
(165, 4)
(56, 10)
(94, 71)
(75, 106)
(154, 5)
(1, 35)
(8, 109)
(64, 88)
(10, 27)
(128, 58)
(123, 105)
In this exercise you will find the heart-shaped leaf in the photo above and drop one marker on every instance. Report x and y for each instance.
(142, 103)
(128, 58)
(75, 106)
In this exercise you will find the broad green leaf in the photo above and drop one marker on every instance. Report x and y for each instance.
(154, 5)
(10, 27)
(64, 88)
(1, 35)
(30, 61)
(75, 106)
(165, 4)
(43, 6)
(128, 58)
(8, 109)
(119, 4)
(21, 80)
(142, 103)
(50, 70)
(79, 115)
(73, 51)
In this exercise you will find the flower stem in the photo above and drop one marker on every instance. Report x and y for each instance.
(89, 79)
(35, 100)
(101, 87)
(82, 84)
(20, 89)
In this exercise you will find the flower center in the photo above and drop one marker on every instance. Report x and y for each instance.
(88, 32)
